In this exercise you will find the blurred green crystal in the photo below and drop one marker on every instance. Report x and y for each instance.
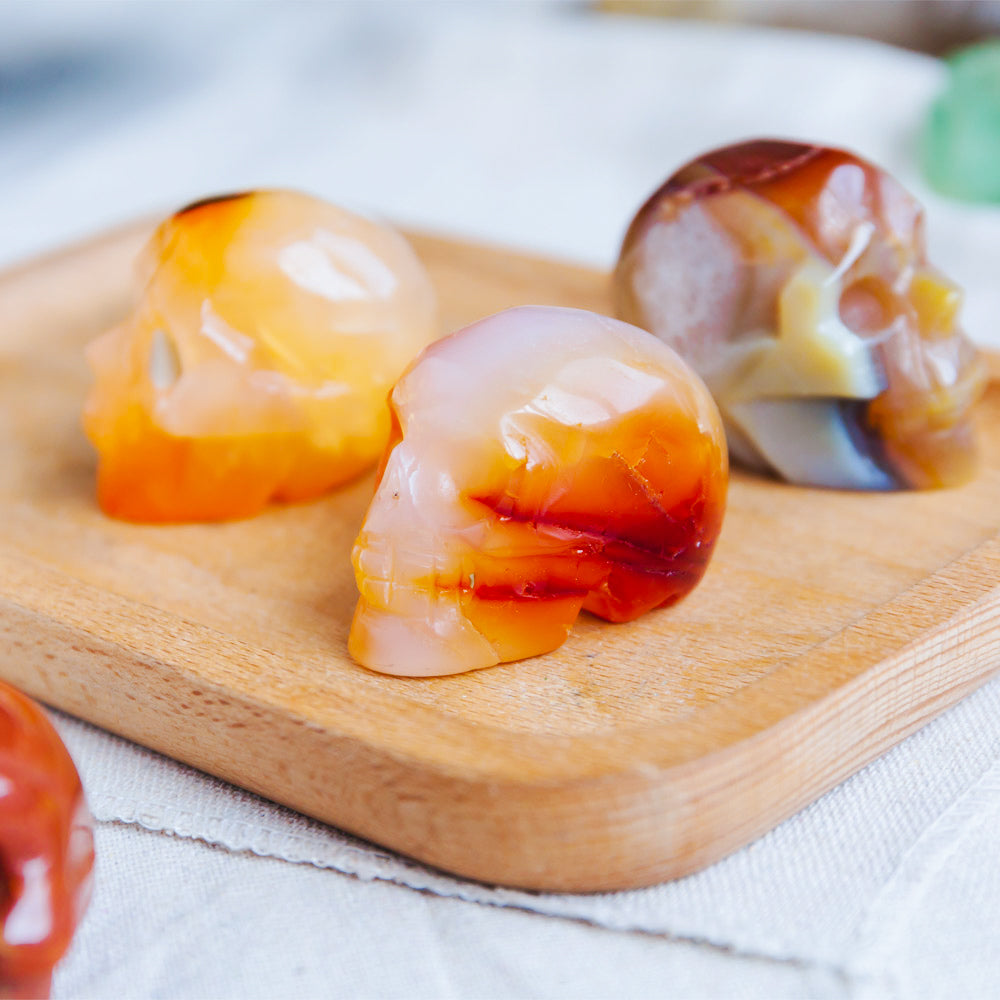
(961, 151)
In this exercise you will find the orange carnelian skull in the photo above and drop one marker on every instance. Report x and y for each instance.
(256, 364)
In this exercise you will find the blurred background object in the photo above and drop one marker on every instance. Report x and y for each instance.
(533, 124)
(962, 139)
(933, 26)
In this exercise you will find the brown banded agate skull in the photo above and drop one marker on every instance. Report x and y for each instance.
(794, 278)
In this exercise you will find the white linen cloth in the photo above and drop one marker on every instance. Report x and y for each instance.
(541, 127)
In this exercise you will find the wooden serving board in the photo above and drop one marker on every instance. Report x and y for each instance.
(829, 626)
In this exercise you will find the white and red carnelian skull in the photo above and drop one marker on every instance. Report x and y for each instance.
(543, 461)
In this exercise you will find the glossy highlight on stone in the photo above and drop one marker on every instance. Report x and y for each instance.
(543, 461)
(46, 847)
(269, 330)
(795, 280)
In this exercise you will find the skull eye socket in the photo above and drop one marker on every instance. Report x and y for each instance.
(869, 305)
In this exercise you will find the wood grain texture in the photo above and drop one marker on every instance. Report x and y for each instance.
(829, 626)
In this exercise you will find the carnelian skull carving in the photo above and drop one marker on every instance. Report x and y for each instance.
(544, 460)
(256, 364)
(795, 280)
(46, 847)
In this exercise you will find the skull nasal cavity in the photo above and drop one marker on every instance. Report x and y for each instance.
(869, 305)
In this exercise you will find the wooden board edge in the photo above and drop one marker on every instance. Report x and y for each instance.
(649, 811)
(471, 752)
(630, 830)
